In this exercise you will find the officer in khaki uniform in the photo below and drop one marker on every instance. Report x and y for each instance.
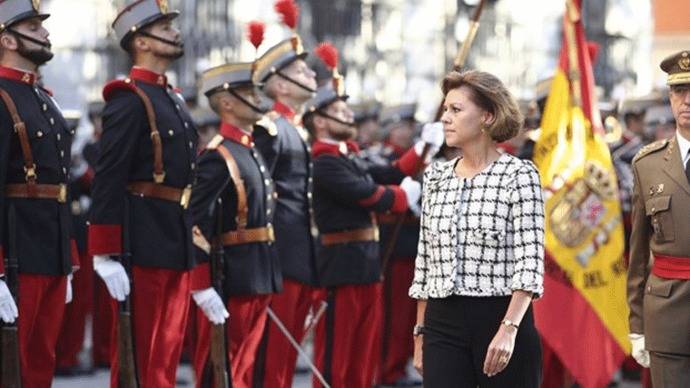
(659, 294)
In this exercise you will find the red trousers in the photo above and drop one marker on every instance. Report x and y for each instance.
(246, 326)
(347, 346)
(71, 339)
(103, 324)
(399, 316)
(41, 308)
(160, 299)
(291, 306)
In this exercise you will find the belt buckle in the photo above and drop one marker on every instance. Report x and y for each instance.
(271, 233)
(62, 193)
(186, 195)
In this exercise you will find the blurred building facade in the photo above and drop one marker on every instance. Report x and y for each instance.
(394, 51)
(671, 32)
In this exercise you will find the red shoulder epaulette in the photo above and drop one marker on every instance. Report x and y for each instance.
(117, 85)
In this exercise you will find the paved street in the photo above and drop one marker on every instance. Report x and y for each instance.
(185, 379)
(185, 376)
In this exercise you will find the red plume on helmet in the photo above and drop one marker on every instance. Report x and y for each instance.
(288, 11)
(255, 32)
(329, 55)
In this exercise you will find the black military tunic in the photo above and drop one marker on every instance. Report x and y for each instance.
(251, 268)
(43, 229)
(406, 243)
(288, 157)
(347, 190)
(80, 193)
(159, 229)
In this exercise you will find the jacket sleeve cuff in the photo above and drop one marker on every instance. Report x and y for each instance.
(636, 325)
(105, 239)
(410, 163)
(374, 198)
(417, 292)
(399, 200)
(537, 289)
(75, 254)
(201, 277)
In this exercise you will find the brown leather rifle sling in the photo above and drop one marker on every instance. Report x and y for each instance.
(242, 235)
(158, 171)
(20, 130)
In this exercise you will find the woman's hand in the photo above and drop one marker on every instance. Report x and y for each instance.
(417, 358)
(500, 350)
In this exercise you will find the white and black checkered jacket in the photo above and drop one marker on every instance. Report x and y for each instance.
(482, 236)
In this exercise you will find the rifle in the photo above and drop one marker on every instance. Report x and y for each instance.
(127, 374)
(11, 375)
(392, 241)
(218, 359)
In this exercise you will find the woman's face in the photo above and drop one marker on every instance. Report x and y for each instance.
(462, 119)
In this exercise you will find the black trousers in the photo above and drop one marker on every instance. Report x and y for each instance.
(457, 333)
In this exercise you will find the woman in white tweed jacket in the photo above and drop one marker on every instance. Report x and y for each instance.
(480, 257)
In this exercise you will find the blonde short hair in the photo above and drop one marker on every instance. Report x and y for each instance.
(491, 95)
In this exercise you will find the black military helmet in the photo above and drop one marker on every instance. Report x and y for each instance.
(14, 11)
(139, 14)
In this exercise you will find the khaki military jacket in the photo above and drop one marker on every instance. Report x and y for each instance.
(659, 308)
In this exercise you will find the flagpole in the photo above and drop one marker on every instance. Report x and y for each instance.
(573, 16)
(464, 51)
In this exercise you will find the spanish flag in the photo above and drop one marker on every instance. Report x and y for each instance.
(583, 314)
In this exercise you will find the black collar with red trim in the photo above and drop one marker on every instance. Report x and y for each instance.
(331, 147)
(284, 110)
(148, 76)
(237, 135)
(27, 77)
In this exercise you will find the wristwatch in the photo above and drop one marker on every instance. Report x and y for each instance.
(510, 323)
(417, 330)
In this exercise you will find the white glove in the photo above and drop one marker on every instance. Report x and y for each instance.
(432, 134)
(114, 276)
(639, 353)
(413, 190)
(8, 309)
(68, 296)
(211, 304)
